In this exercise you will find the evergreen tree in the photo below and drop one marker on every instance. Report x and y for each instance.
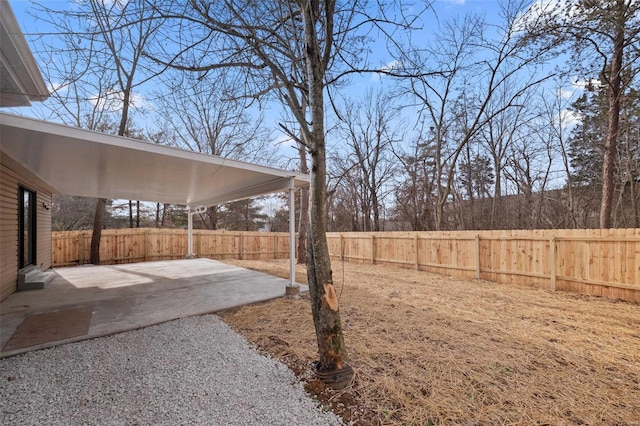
(244, 215)
(587, 140)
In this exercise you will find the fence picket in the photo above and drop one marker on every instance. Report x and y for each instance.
(585, 261)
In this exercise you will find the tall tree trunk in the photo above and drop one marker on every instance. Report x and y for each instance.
(471, 211)
(303, 220)
(571, 196)
(157, 215)
(212, 212)
(165, 207)
(376, 215)
(615, 89)
(138, 214)
(324, 299)
(496, 206)
(98, 224)
(440, 199)
(130, 214)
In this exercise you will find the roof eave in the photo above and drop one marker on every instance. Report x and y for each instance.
(81, 162)
(23, 80)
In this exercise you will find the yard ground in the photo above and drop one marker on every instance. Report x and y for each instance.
(430, 349)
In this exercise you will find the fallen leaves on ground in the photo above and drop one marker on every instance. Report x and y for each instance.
(431, 349)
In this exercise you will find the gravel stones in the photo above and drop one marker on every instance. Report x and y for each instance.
(189, 371)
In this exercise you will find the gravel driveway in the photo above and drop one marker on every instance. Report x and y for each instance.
(185, 372)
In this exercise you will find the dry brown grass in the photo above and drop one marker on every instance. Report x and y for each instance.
(431, 349)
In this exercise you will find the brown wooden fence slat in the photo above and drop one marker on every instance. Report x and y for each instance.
(144, 244)
(587, 261)
(597, 262)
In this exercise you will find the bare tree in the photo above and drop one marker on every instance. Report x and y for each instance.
(369, 128)
(503, 128)
(630, 158)
(70, 213)
(254, 37)
(414, 191)
(553, 127)
(215, 122)
(104, 43)
(475, 179)
(470, 70)
(528, 168)
(604, 38)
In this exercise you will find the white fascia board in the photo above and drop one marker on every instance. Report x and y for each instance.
(18, 66)
(264, 188)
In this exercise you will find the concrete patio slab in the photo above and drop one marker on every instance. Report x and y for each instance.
(131, 296)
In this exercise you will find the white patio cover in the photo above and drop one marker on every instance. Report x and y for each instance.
(76, 161)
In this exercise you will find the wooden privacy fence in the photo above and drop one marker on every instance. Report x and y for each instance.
(588, 261)
(147, 244)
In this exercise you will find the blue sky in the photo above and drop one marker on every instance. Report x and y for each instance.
(442, 11)
(442, 8)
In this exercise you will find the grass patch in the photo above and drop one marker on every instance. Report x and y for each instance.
(431, 349)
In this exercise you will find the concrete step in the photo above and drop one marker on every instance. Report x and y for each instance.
(29, 271)
(32, 278)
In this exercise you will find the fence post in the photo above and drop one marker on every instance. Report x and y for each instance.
(144, 244)
(552, 262)
(373, 249)
(81, 249)
(341, 247)
(417, 255)
(275, 246)
(477, 256)
(240, 247)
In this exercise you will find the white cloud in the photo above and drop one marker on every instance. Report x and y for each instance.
(576, 87)
(569, 118)
(390, 66)
(566, 93)
(583, 84)
(460, 2)
(56, 87)
(537, 10)
(113, 101)
(140, 102)
(283, 139)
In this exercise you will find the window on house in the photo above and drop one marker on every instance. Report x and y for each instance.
(26, 227)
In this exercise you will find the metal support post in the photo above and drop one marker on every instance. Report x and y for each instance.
(190, 213)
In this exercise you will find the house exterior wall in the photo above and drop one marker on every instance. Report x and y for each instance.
(11, 177)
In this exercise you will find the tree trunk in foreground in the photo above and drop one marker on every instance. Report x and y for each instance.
(332, 366)
(98, 224)
(324, 299)
(303, 222)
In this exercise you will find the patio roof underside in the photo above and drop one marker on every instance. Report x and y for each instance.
(75, 161)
